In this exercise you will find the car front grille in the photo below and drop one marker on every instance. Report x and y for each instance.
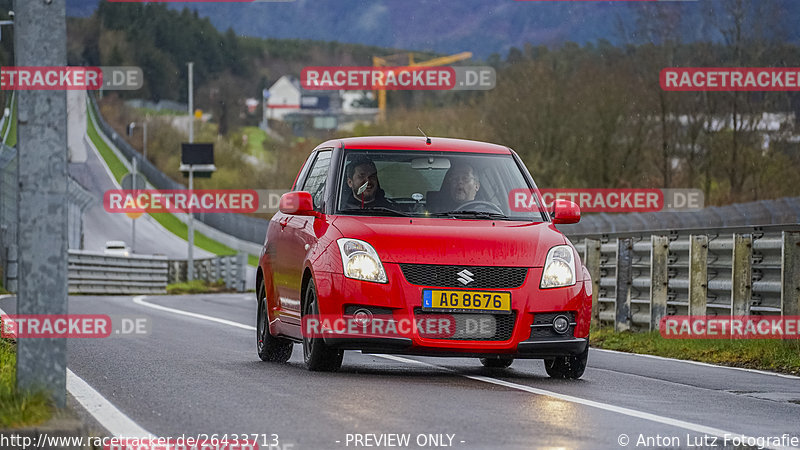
(449, 276)
(547, 332)
(469, 326)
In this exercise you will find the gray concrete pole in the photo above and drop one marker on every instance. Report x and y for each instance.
(190, 234)
(190, 262)
(144, 139)
(191, 102)
(134, 187)
(40, 40)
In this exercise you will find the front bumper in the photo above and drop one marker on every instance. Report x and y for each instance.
(400, 299)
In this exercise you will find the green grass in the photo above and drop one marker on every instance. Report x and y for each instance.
(160, 112)
(255, 140)
(764, 354)
(252, 260)
(118, 170)
(11, 141)
(180, 229)
(195, 287)
(16, 409)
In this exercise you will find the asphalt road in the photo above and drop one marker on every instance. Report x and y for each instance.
(194, 375)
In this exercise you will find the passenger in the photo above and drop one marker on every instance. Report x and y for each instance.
(359, 171)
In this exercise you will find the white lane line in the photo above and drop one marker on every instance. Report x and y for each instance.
(106, 414)
(139, 300)
(568, 398)
(111, 418)
(581, 401)
(699, 363)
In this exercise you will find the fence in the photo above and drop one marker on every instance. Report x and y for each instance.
(230, 269)
(246, 228)
(762, 212)
(639, 277)
(98, 273)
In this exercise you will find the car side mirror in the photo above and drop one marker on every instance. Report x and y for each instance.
(565, 211)
(298, 203)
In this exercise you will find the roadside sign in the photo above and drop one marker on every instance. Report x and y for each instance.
(127, 183)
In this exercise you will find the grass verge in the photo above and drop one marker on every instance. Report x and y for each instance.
(195, 287)
(18, 410)
(118, 170)
(167, 220)
(763, 354)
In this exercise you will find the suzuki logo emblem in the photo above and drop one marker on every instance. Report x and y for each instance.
(465, 277)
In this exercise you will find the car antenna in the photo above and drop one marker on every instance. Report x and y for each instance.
(427, 139)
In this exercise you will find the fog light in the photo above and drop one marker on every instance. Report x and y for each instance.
(561, 324)
(362, 317)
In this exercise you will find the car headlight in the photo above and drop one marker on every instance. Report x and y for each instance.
(559, 268)
(360, 261)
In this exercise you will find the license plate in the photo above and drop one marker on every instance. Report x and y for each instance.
(450, 301)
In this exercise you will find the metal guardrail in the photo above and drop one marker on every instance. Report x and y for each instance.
(98, 273)
(639, 277)
(230, 269)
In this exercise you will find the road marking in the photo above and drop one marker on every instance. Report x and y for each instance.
(699, 363)
(581, 401)
(521, 387)
(139, 300)
(106, 414)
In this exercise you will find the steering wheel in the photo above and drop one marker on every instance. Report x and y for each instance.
(490, 205)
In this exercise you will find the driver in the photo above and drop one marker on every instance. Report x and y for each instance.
(460, 186)
(360, 171)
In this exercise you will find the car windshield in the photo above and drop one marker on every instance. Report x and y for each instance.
(434, 184)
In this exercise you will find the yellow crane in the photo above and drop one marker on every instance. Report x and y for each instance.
(383, 61)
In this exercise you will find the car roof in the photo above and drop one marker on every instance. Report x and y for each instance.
(417, 143)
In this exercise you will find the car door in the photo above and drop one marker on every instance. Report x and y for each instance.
(297, 236)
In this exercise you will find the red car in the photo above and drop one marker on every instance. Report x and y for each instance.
(415, 245)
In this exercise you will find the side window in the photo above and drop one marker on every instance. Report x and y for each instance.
(315, 182)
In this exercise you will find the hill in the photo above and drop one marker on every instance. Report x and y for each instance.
(445, 26)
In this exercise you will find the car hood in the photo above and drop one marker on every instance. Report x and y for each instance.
(453, 241)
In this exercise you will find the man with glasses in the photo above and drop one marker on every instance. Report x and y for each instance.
(460, 186)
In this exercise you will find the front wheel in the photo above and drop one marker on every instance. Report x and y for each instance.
(270, 348)
(319, 357)
(567, 367)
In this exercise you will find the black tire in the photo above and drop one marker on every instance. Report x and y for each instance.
(497, 363)
(567, 367)
(269, 347)
(318, 356)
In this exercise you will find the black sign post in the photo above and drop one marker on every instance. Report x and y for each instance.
(199, 159)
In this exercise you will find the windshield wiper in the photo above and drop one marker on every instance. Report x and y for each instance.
(477, 214)
(377, 209)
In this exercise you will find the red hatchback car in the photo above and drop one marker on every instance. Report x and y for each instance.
(411, 245)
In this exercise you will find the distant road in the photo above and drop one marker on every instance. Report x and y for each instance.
(100, 226)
